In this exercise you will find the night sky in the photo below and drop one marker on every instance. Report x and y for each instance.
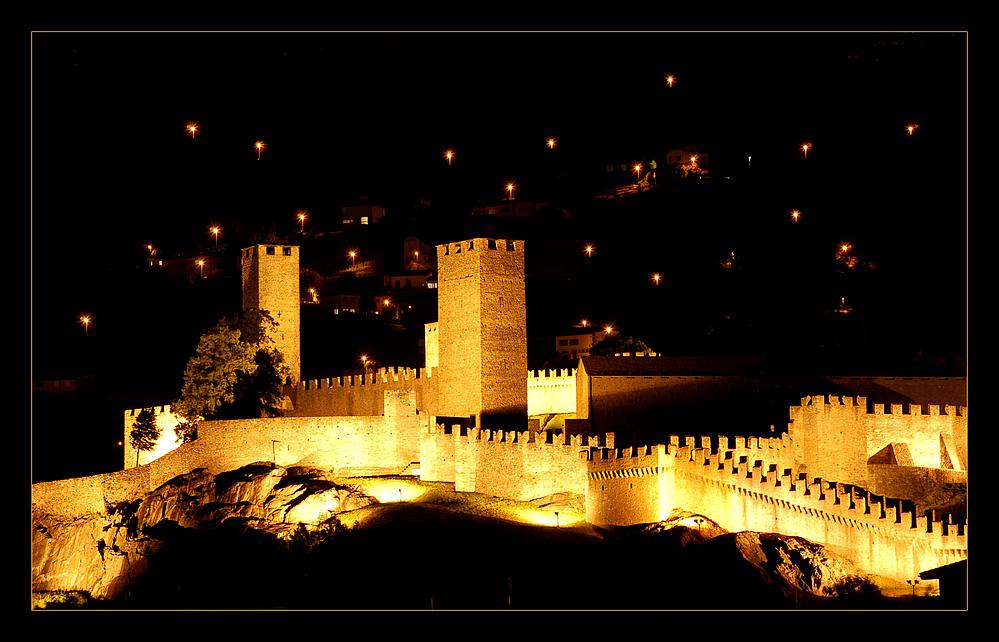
(351, 115)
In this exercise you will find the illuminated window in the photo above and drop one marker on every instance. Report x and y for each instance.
(364, 220)
(286, 251)
(510, 246)
(270, 250)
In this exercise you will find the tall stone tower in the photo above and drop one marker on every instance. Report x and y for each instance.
(482, 327)
(270, 282)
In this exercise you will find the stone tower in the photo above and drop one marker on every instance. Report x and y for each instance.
(482, 326)
(270, 282)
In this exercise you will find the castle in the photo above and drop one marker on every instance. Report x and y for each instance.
(844, 473)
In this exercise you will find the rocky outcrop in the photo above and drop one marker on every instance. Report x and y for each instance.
(103, 553)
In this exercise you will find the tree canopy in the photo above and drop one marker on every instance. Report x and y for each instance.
(235, 373)
(616, 344)
(144, 432)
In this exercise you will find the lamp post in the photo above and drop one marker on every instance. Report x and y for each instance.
(192, 127)
(551, 142)
(353, 257)
(556, 519)
(449, 155)
(301, 219)
(804, 149)
(214, 230)
(670, 79)
(638, 171)
(259, 146)
(85, 320)
(201, 267)
(509, 190)
(274, 451)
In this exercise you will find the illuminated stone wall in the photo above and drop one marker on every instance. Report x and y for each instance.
(431, 346)
(481, 317)
(835, 437)
(271, 282)
(345, 445)
(551, 392)
(751, 492)
(361, 395)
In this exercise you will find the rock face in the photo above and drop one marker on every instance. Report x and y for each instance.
(104, 553)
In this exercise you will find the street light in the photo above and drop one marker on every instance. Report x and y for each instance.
(192, 127)
(795, 215)
(315, 296)
(449, 155)
(638, 170)
(588, 250)
(214, 230)
(301, 219)
(584, 323)
(85, 320)
(509, 190)
(259, 146)
(911, 128)
(804, 149)
(670, 79)
(656, 278)
(556, 519)
(608, 329)
(201, 267)
(551, 142)
(353, 256)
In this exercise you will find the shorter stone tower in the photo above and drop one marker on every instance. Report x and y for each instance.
(271, 283)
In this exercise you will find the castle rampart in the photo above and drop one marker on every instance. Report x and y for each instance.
(551, 391)
(883, 535)
(345, 445)
(839, 437)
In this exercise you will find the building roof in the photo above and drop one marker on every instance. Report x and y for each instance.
(954, 569)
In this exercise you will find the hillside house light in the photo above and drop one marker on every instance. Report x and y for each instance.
(449, 155)
(608, 329)
(85, 320)
(804, 149)
(387, 302)
(192, 129)
(315, 295)
(584, 323)
(259, 146)
(670, 79)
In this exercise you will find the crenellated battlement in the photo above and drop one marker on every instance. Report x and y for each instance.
(382, 375)
(157, 410)
(815, 402)
(559, 375)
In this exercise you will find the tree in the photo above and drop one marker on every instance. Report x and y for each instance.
(235, 373)
(145, 432)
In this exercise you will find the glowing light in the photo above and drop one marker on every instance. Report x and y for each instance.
(259, 146)
(214, 231)
(795, 215)
(693, 159)
(551, 142)
(638, 170)
(584, 323)
(845, 247)
(315, 295)
(302, 215)
(390, 490)
(670, 80)
(201, 266)
(804, 149)
(588, 250)
(353, 257)
(911, 128)
(656, 278)
(192, 128)
(509, 190)
(608, 329)
(387, 302)
(449, 155)
(85, 320)
(364, 360)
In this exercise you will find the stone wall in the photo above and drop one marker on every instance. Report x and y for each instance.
(551, 392)
(345, 445)
(361, 395)
(835, 437)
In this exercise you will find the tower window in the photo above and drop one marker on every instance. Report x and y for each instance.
(471, 245)
(457, 249)
(510, 246)
(286, 251)
(492, 244)
(270, 250)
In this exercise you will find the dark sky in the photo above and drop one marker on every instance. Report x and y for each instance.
(349, 114)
